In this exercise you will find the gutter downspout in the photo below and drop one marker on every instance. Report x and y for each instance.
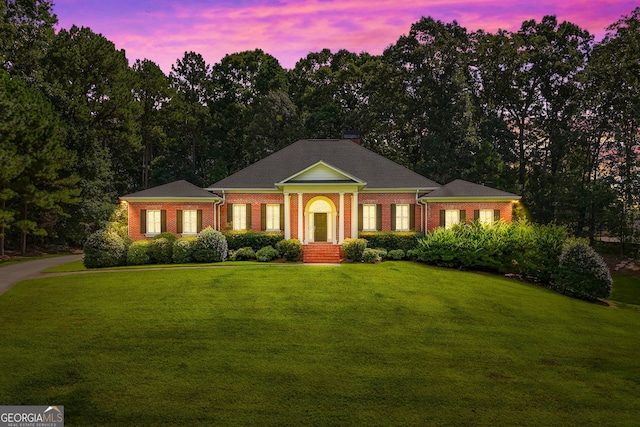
(425, 212)
(220, 210)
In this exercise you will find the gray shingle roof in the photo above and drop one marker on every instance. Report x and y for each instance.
(377, 171)
(462, 188)
(181, 189)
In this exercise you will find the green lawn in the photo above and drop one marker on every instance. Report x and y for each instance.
(389, 344)
(626, 288)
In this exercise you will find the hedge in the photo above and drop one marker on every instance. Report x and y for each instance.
(253, 239)
(391, 240)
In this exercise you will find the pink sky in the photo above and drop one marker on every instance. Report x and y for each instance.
(162, 30)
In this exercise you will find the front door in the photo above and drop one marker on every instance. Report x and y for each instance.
(320, 223)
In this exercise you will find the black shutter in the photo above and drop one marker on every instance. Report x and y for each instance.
(179, 221)
(393, 217)
(199, 224)
(163, 221)
(248, 227)
(463, 217)
(442, 218)
(263, 216)
(379, 217)
(143, 221)
(282, 216)
(412, 217)
(360, 209)
(496, 214)
(476, 214)
(230, 215)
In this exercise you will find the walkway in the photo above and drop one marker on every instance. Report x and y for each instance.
(14, 273)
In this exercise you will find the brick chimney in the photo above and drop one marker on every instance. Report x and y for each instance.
(353, 135)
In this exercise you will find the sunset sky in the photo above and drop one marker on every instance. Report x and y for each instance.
(162, 30)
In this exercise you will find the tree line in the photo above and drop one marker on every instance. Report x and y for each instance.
(545, 111)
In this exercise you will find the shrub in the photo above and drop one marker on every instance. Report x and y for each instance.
(382, 252)
(582, 273)
(166, 235)
(183, 250)
(104, 249)
(542, 257)
(161, 251)
(266, 254)
(396, 254)
(210, 246)
(412, 254)
(353, 249)
(138, 253)
(253, 239)
(291, 249)
(371, 256)
(243, 254)
(391, 240)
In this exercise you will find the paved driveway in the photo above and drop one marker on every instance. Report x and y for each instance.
(14, 273)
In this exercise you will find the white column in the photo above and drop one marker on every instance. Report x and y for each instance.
(354, 216)
(341, 231)
(287, 217)
(301, 236)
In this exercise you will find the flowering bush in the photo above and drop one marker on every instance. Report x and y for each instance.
(183, 250)
(582, 273)
(266, 254)
(104, 249)
(353, 249)
(210, 246)
(138, 253)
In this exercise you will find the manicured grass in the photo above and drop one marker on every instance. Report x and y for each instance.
(389, 344)
(626, 288)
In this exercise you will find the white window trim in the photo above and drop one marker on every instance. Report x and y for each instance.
(448, 220)
(239, 216)
(488, 214)
(403, 222)
(369, 218)
(154, 221)
(273, 217)
(194, 222)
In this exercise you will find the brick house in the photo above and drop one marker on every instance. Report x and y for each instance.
(316, 191)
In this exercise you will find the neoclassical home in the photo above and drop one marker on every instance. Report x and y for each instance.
(319, 191)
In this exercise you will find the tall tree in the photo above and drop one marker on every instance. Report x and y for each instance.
(91, 86)
(26, 31)
(188, 153)
(242, 82)
(429, 111)
(153, 92)
(614, 70)
(36, 183)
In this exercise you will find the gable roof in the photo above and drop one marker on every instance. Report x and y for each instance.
(344, 155)
(177, 189)
(465, 189)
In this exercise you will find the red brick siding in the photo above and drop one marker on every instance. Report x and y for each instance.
(388, 199)
(255, 200)
(506, 210)
(171, 209)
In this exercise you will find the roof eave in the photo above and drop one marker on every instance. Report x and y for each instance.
(172, 199)
(428, 199)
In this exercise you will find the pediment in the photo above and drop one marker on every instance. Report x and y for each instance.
(321, 173)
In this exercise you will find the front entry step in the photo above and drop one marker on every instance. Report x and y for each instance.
(325, 253)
